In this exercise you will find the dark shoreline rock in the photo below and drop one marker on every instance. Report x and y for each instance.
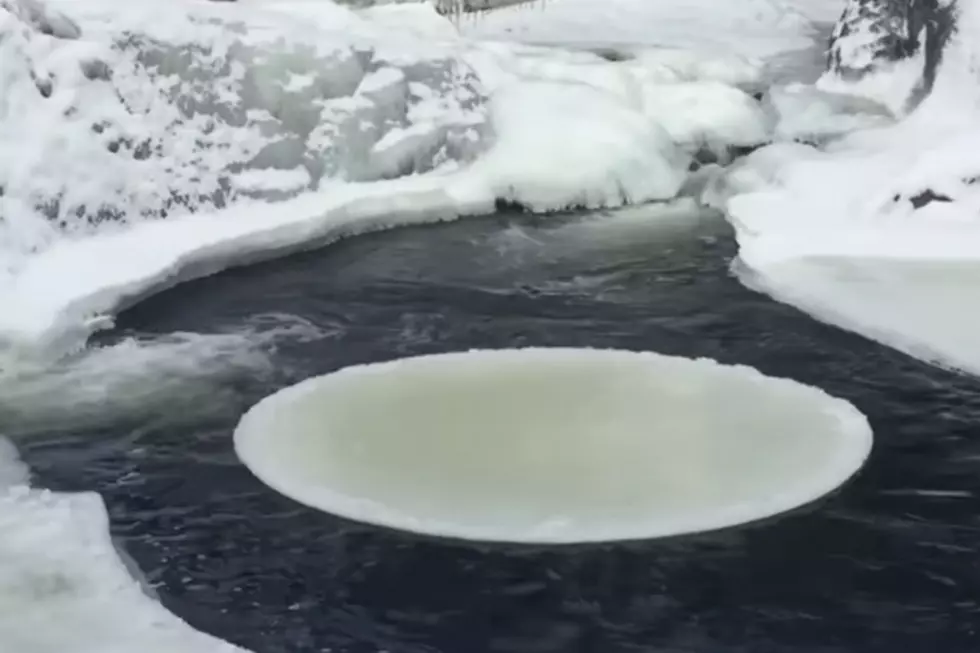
(873, 34)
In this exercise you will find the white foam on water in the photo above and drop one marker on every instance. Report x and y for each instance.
(553, 445)
(171, 377)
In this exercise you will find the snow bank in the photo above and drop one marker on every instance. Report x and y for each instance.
(552, 445)
(877, 232)
(60, 296)
(63, 587)
(63, 584)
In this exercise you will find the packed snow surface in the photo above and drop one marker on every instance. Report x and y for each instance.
(141, 380)
(552, 445)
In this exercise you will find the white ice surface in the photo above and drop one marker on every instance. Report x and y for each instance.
(553, 445)
(835, 232)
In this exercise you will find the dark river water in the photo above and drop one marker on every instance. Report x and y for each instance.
(891, 564)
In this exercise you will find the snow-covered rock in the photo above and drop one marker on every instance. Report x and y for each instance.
(562, 144)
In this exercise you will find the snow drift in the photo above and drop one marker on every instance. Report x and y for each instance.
(552, 445)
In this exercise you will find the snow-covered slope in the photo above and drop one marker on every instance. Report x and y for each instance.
(878, 232)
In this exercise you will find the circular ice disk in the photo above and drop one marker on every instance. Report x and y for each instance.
(552, 445)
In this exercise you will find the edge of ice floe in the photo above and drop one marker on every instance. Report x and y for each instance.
(848, 459)
(766, 280)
